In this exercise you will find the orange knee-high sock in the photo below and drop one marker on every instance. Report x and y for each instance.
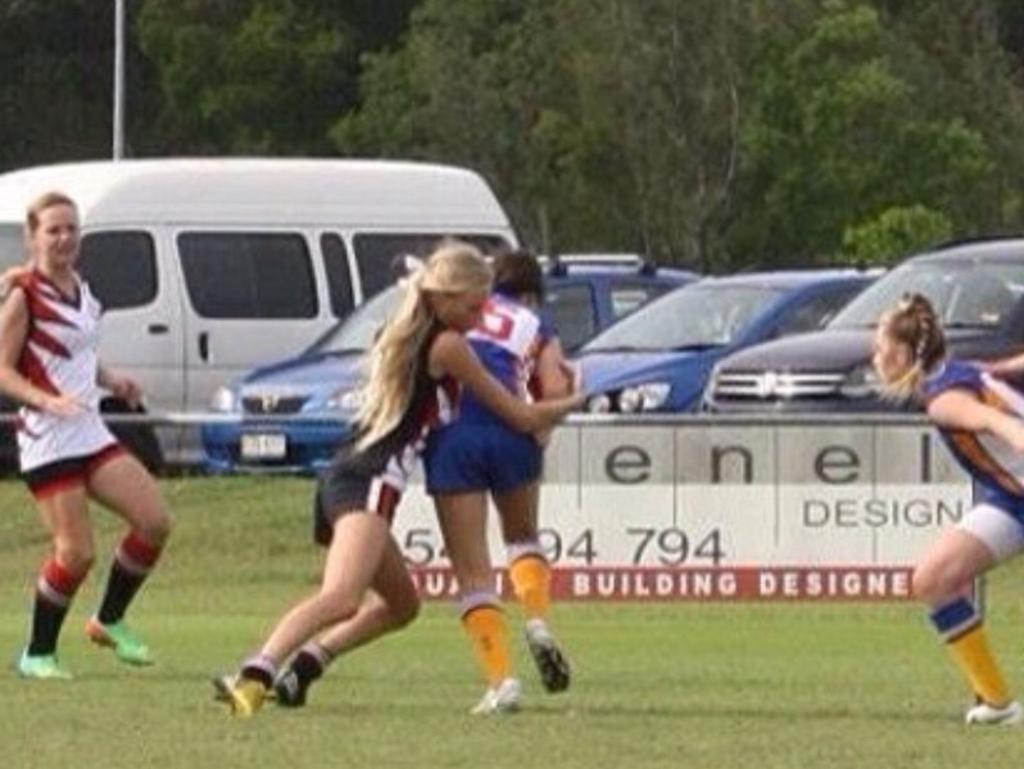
(484, 622)
(531, 582)
(961, 627)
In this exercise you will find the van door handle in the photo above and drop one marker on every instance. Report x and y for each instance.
(158, 328)
(204, 345)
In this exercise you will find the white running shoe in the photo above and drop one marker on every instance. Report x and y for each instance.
(984, 714)
(506, 697)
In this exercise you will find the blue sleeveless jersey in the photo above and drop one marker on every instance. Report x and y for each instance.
(992, 464)
(479, 451)
(507, 340)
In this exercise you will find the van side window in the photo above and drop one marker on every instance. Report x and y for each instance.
(375, 253)
(120, 268)
(12, 245)
(339, 281)
(248, 275)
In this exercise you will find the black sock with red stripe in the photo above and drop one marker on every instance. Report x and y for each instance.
(133, 561)
(55, 588)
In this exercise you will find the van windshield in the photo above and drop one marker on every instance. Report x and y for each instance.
(965, 294)
(12, 244)
(355, 334)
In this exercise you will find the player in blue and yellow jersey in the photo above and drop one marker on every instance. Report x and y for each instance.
(981, 419)
(477, 456)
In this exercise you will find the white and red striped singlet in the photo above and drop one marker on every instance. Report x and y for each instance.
(59, 356)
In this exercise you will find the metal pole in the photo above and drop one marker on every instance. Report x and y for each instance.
(118, 138)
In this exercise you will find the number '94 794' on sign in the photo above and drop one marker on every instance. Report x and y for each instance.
(647, 546)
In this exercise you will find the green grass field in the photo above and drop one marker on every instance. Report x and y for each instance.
(665, 685)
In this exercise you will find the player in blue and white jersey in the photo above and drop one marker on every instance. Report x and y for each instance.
(981, 419)
(477, 456)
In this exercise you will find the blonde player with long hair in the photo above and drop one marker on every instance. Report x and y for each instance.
(419, 364)
(980, 419)
(464, 461)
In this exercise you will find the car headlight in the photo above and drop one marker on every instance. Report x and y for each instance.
(347, 400)
(599, 404)
(645, 397)
(861, 382)
(224, 399)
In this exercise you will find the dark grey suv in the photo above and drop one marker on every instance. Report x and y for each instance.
(977, 288)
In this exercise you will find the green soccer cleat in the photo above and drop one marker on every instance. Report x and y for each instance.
(127, 646)
(42, 667)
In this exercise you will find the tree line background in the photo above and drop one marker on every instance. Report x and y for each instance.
(715, 134)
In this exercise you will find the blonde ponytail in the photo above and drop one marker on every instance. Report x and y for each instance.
(397, 354)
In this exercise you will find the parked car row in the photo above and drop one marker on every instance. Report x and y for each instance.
(320, 387)
(207, 267)
(659, 359)
(755, 342)
(977, 289)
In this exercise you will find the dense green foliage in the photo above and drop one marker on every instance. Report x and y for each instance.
(720, 134)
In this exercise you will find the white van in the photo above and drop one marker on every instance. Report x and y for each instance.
(207, 267)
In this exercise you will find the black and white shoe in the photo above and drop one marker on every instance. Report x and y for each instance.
(552, 665)
(289, 690)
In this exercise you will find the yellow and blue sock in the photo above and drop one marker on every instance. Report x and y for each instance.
(961, 627)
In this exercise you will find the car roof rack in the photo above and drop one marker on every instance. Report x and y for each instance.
(969, 239)
(559, 264)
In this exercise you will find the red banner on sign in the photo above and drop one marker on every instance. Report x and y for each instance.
(746, 583)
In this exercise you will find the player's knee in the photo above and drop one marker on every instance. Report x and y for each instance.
(158, 529)
(75, 558)
(405, 612)
(934, 582)
(337, 606)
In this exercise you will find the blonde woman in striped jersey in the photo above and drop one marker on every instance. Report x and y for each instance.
(49, 333)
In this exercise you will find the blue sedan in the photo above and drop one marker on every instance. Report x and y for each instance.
(316, 393)
(659, 358)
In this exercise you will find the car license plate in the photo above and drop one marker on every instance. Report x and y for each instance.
(264, 446)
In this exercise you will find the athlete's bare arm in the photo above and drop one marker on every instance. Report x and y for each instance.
(961, 410)
(451, 354)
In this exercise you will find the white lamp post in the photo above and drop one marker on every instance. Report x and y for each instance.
(118, 137)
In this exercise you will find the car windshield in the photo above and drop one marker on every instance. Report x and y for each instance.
(706, 314)
(965, 294)
(355, 334)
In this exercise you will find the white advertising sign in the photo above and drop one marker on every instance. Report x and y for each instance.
(699, 510)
